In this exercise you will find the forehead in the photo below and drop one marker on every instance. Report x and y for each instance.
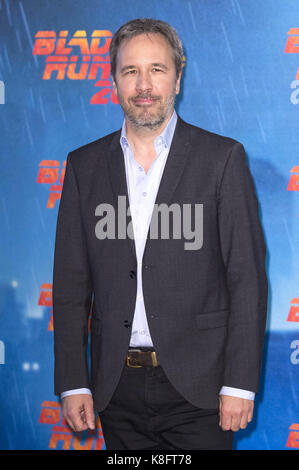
(144, 48)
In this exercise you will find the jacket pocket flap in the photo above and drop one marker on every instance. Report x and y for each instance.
(212, 319)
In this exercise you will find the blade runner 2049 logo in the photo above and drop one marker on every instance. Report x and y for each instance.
(78, 57)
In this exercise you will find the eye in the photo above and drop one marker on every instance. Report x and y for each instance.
(156, 69)
(130, 72)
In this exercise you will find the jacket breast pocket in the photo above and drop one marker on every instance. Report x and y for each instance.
(215, 319)
(95, 326)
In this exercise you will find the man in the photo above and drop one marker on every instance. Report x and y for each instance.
(176, 331)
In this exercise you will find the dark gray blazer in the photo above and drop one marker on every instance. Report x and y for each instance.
(206, 308)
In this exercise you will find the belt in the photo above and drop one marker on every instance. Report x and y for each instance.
(138, 358)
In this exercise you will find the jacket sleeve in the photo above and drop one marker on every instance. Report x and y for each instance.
(243, 251)
(72, 290)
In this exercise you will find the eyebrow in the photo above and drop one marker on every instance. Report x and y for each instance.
(161, 66)
(129, 67)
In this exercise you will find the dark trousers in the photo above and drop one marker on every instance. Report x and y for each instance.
(146, 413)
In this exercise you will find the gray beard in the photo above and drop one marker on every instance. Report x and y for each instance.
(147, 120)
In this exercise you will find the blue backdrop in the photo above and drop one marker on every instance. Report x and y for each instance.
(240, 79)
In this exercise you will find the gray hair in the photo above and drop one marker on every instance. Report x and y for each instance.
(147, 26)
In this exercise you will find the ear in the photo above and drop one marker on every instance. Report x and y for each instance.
(114, 86)
(178, 83)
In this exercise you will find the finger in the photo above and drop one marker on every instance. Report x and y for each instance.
(89, 417)
(66, 415)
(75, 424)
(250, 412)
(244, 421)
(226, 421)
(69, 423)
(76, 421)
(236, 421)
(247, 416)
(79, 424)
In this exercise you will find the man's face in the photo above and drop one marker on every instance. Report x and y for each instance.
(145, 80)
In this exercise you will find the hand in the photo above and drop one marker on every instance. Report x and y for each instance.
(234, 412)
(78, 412)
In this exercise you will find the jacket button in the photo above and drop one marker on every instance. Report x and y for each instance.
(132, 274)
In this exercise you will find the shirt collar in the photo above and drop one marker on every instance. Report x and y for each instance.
(165, 137)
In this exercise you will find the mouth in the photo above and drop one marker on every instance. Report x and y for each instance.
(144, 101)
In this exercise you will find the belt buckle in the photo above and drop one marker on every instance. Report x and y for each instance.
(128, 359)
(154, 358)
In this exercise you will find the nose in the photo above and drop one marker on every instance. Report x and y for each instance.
(143, 82)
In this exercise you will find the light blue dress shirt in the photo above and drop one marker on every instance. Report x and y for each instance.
(142, 191)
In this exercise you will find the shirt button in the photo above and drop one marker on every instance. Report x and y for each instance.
(140, 168)
(144, 193)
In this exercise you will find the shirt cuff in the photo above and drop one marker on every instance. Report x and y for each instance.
(237, 392)
(76, 391)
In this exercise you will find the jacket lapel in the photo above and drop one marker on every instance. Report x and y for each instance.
(175, 163)
(117, 173)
